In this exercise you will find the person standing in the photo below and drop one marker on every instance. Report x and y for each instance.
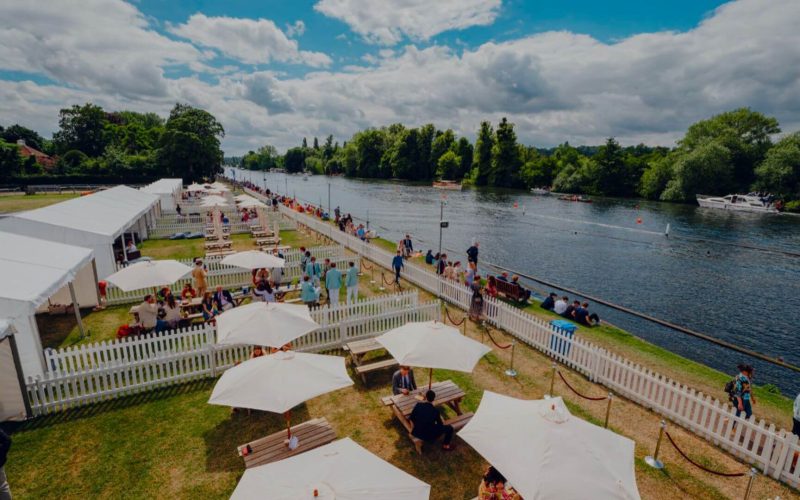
(351, 282)
(313, 271)
(307, 292)
(333, 282)
(397, 265)
(199, 275)
(476, 304)
(326, 266)
(407, 247)
(5, 445)
(796, 417)
(743, 397)
(472, 253)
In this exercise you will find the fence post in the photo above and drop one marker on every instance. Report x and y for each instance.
(787, 444)
(212, 352)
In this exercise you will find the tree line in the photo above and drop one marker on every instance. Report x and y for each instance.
(727, 153)
(92, 143)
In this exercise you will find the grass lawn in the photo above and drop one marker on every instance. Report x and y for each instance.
(172, 444)
(19, 202)
(187, 249)
(62, 330)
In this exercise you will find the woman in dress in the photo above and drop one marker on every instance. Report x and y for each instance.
(172, 312)
(209, 307)
(476, 304)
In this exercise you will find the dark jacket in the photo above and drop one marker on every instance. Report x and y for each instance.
(472, 254)
(426, 419)
(397, 382)
(227, 296)
(5, 445)
(548, 303)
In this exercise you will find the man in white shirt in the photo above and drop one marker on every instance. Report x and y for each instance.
(561, 305)
(148, 312)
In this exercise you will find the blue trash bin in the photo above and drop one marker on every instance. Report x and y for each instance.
(562, 331)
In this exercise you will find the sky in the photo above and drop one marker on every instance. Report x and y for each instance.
(273, 72)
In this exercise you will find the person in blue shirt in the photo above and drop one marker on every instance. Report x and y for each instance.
(313, 271)
(333, 282)
(351, 282)
(429, 257)
(743, 397)
(397, 265)
(308, 294)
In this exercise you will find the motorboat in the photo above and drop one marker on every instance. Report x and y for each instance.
(540, 191)
(443, 184)
(739, 203)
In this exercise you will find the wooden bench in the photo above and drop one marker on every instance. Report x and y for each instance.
(218, 245)
(260, 233)
(510, 290)
(222, 253)
(311, 434)
(362, 370)
(458, 422)
(267, 241)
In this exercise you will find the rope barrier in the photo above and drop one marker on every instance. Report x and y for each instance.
(390, 283)
(365, 266)
(578, 393)
(459, 323)
(725, 474)
(508, 346)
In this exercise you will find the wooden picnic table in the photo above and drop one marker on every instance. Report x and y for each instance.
(311, 434)
(360, 348)
(447, 393)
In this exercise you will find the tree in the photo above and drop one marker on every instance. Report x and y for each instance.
(611, 177)
(483, 154)
(744, 132)
(316, 144)
(10, 161)
(706, 169)
(464, 151)
(448, 165)
(444, 142)
(505, 157)
(656, 177)
(265, 158)
(81, 128)
(190, 145)
(403, 155)
(780, 171)
(538, 171)
(295, 160)
(426, 168)
(16, 132)
(305, 143)
(328, 150)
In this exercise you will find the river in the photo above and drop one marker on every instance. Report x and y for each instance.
(701, 277)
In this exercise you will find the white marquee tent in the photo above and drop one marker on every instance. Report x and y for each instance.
(33, 271)
(13, 404)
(168, 191)
(93, 221)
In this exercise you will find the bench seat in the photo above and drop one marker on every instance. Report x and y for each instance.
(362, 370)
(458, 422)
(311, 434)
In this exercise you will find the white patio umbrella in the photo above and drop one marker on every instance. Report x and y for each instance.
(280, 381)
(218, 186)
(214, 201)
(253, 259)
(195, 187)
(251, 203)
(432, 344)
(264, 323)
(545, 452)
(339, 470)
(243, 197)
(148, 274)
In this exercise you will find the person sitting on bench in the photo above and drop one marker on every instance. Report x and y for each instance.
(403, 381)
(427, 422)
(549, 302)
(524, 293)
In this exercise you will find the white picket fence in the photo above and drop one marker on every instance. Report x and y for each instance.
(233, 278)
(170, 223)
(754, 441)
(105, 370)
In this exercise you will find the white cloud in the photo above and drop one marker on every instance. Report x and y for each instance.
(387, 22)
(297, 28)
(554, 86)
(250, 41)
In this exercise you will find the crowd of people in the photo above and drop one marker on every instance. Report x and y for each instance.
(576, 310)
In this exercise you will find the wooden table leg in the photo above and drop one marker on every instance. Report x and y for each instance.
(455, 405)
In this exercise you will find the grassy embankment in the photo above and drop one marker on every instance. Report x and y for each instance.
(17, 202)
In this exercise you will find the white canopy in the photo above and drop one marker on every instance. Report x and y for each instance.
(93, 221)
(545, 452)
(264, 323)
(147, 274)
(432, 344)
(253, 259)
(33, 270)
(251, 204)
(195, 187)
(279, 382)
(340, 470)
(168, 190)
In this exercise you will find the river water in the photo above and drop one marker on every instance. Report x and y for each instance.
(701, 277)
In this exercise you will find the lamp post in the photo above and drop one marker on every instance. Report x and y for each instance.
(442, 224)
(329, 199)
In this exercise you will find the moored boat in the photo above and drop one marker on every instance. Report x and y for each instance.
(575, 197)
(444, 184)
(738, 203)
(540, 191)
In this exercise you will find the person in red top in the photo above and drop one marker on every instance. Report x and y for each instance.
(188, 292)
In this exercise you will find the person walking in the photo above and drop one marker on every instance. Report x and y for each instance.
(472, 253)
(326, 266)
(333, 282)
(308, 294)
(199, 275)
(743, 396)
(313, 271)
(5, 445)
(351, 282)
(397, 265)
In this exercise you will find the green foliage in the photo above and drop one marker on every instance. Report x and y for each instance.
(82, 128)
(15, 132)
(792, 206)
(506, 161)
(448, 166)
(266, 158)
(656, 177)
(706, 169)
(483, 154)
(779, 173)
(10, 161)
(295, 160)
(190, 145)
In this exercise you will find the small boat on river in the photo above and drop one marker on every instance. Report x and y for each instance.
(540, 191)
(575, 197)
(739, 203)
(444, 184)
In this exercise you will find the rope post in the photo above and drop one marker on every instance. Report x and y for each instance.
(464, 327)
(511, 372)
(372, 275)
(653, 461)
(552, 381)
(483, 331)
(753, 474)
(608, 409)
(383, 278)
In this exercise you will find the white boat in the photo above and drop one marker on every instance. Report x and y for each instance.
(540, 191)
(737, 202)
(445, 184)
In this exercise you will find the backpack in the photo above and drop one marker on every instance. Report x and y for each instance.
(730, 389)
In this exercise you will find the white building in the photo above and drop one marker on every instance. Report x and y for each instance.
(168, 190)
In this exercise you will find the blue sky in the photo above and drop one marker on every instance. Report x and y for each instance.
(274, 72)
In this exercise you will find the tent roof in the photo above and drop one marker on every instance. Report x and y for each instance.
(6, 328)
(34, 269)
(163, 186)
(107, 213)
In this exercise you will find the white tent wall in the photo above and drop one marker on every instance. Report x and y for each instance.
(29, 344)
(168, 192)
(12, 402)
(85, 291)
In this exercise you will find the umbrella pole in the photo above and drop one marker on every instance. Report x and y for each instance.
(430, 378)
(288, 416)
